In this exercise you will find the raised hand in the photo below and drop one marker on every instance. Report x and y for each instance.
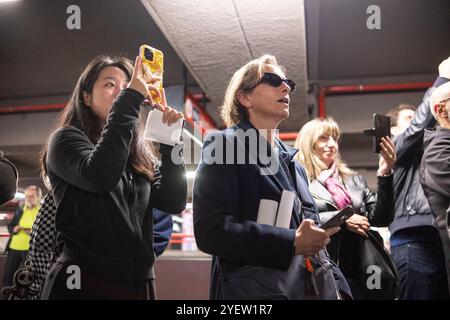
(170, 114)
(138, 83)
(388, 156)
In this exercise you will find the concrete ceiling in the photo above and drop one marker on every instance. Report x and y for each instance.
(40, 58)
(216, 37)
(413, 39)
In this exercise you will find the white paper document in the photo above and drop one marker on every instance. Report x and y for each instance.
(284, 214)
(267, 212)
(156, 130)
(276, 214)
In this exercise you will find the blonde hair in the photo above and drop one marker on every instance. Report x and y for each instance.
(306, 140)
(243, 81)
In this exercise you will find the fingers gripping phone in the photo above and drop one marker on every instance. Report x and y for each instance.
(152, 67)
(381, 128)
(339, 218)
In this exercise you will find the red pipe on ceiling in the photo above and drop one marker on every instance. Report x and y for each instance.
(287, 136)
(34, 108)
(392, 87)
(354, 89)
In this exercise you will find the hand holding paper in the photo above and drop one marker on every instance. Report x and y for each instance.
(158, 131)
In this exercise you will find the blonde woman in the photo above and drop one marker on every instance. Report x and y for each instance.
(251, 259)
(334, 186)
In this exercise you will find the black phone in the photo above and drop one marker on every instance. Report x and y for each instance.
(382, 128)
(339, 218)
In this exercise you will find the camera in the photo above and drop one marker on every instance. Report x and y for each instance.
(148, 54)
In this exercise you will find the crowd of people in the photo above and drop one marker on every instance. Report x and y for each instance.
(258, 204)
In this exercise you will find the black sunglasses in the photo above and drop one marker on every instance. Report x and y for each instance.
(274, 80)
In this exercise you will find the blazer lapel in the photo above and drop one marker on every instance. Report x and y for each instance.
(274, 177)
(290, 152)
(278, 177)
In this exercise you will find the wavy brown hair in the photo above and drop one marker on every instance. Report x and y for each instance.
(79, 115)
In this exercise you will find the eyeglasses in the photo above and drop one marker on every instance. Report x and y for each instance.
(275, 81)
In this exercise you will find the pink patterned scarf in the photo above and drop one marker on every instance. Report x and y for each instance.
(331, 181)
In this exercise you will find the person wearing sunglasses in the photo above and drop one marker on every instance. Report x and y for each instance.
(274, 80)
(435, 168)
(254, 258)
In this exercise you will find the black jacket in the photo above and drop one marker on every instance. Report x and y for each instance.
(378, 208)
(435, 179)
(250, 260)
(14, 222)
(411, 206)
(435, 173)
(162, 231)
(104, 207)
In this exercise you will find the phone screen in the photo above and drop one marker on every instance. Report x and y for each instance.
(382, 128)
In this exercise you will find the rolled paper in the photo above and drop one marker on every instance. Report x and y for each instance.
(267, 212)
(284, 213)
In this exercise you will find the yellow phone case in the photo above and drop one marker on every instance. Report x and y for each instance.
(152, 66)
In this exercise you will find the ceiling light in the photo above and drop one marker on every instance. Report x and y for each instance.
(190, 174)
(19, 195)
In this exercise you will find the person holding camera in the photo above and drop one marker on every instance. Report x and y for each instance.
(334, 186)
(243, 167)
(106, 181)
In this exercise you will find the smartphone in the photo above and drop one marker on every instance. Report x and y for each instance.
(382, 128)
(152, 66)
(339, 218)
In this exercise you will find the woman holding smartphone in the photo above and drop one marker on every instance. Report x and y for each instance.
(106, 180)
(334, 186)
(251, 259)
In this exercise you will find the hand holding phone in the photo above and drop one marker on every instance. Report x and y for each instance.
(152, 68)
(339, 218)
(137, 82)
(388, 157)
(381, 129)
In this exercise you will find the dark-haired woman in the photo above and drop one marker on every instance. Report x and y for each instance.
(106, 181)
